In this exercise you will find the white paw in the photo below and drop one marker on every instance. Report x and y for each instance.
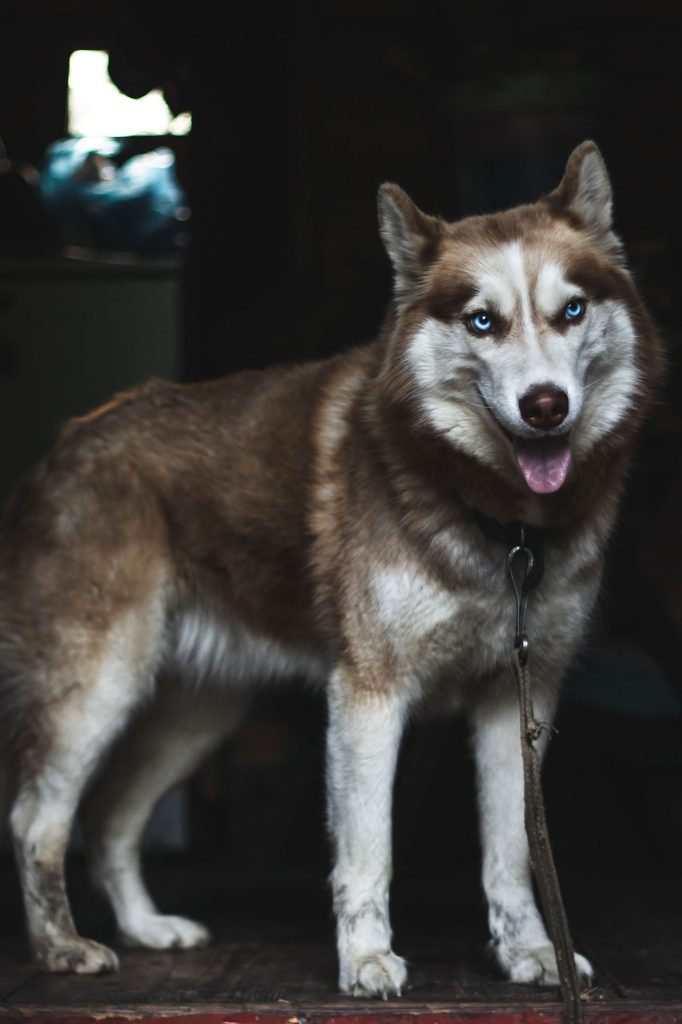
(79, 956)
(538, 966)
(374, 974)
(164, 931)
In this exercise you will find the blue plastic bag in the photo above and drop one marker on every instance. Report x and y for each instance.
(138, 206)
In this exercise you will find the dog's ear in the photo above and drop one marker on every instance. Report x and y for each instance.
(410, 236)
(585, 189)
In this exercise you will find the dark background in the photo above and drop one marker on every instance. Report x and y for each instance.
(300, 111)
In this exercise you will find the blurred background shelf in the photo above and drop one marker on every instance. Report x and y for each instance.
(74, 330)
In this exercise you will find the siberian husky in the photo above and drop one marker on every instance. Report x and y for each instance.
(186, 543)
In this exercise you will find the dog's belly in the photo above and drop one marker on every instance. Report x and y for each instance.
(210, 645)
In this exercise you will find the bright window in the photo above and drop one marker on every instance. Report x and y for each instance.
(96, 107)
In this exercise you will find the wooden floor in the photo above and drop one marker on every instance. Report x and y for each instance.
(273, 954)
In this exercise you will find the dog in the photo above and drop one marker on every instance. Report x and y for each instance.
(335, 520)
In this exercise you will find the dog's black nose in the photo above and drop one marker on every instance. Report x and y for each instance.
(544, 407)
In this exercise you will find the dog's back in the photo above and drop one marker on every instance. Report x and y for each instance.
(179, 491)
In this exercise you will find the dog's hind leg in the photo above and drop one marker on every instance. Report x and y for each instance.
(519, 937)
(164, 744)
(62, 740)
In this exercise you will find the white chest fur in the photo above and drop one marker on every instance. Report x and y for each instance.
(429, 626)
(468, 628)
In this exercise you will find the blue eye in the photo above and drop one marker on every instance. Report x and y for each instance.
(481, 322)
(574, 309)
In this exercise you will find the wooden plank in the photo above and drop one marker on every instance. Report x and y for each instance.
(636, 1013)
(14, 977)
(633, 942)
(266, 973)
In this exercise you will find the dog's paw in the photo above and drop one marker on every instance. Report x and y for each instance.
(374, 975)
(79, 956)
(165, 931)
(538, 966)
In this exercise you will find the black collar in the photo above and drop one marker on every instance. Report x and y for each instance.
(512, 535)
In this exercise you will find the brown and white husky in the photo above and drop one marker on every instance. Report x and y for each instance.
(185, 544)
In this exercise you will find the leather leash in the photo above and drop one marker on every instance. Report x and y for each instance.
(522, 566)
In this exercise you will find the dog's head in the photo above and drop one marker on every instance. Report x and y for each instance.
(519, 335)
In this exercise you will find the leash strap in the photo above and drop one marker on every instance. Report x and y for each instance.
(520, 561)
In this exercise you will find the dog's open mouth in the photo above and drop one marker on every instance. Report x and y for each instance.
(544, 462)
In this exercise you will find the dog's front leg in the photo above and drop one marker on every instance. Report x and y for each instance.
(519, 937)
(365, 727)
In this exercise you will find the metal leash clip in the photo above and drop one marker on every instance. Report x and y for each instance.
(520, 562)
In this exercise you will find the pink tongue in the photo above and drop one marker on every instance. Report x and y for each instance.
(544, 463)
